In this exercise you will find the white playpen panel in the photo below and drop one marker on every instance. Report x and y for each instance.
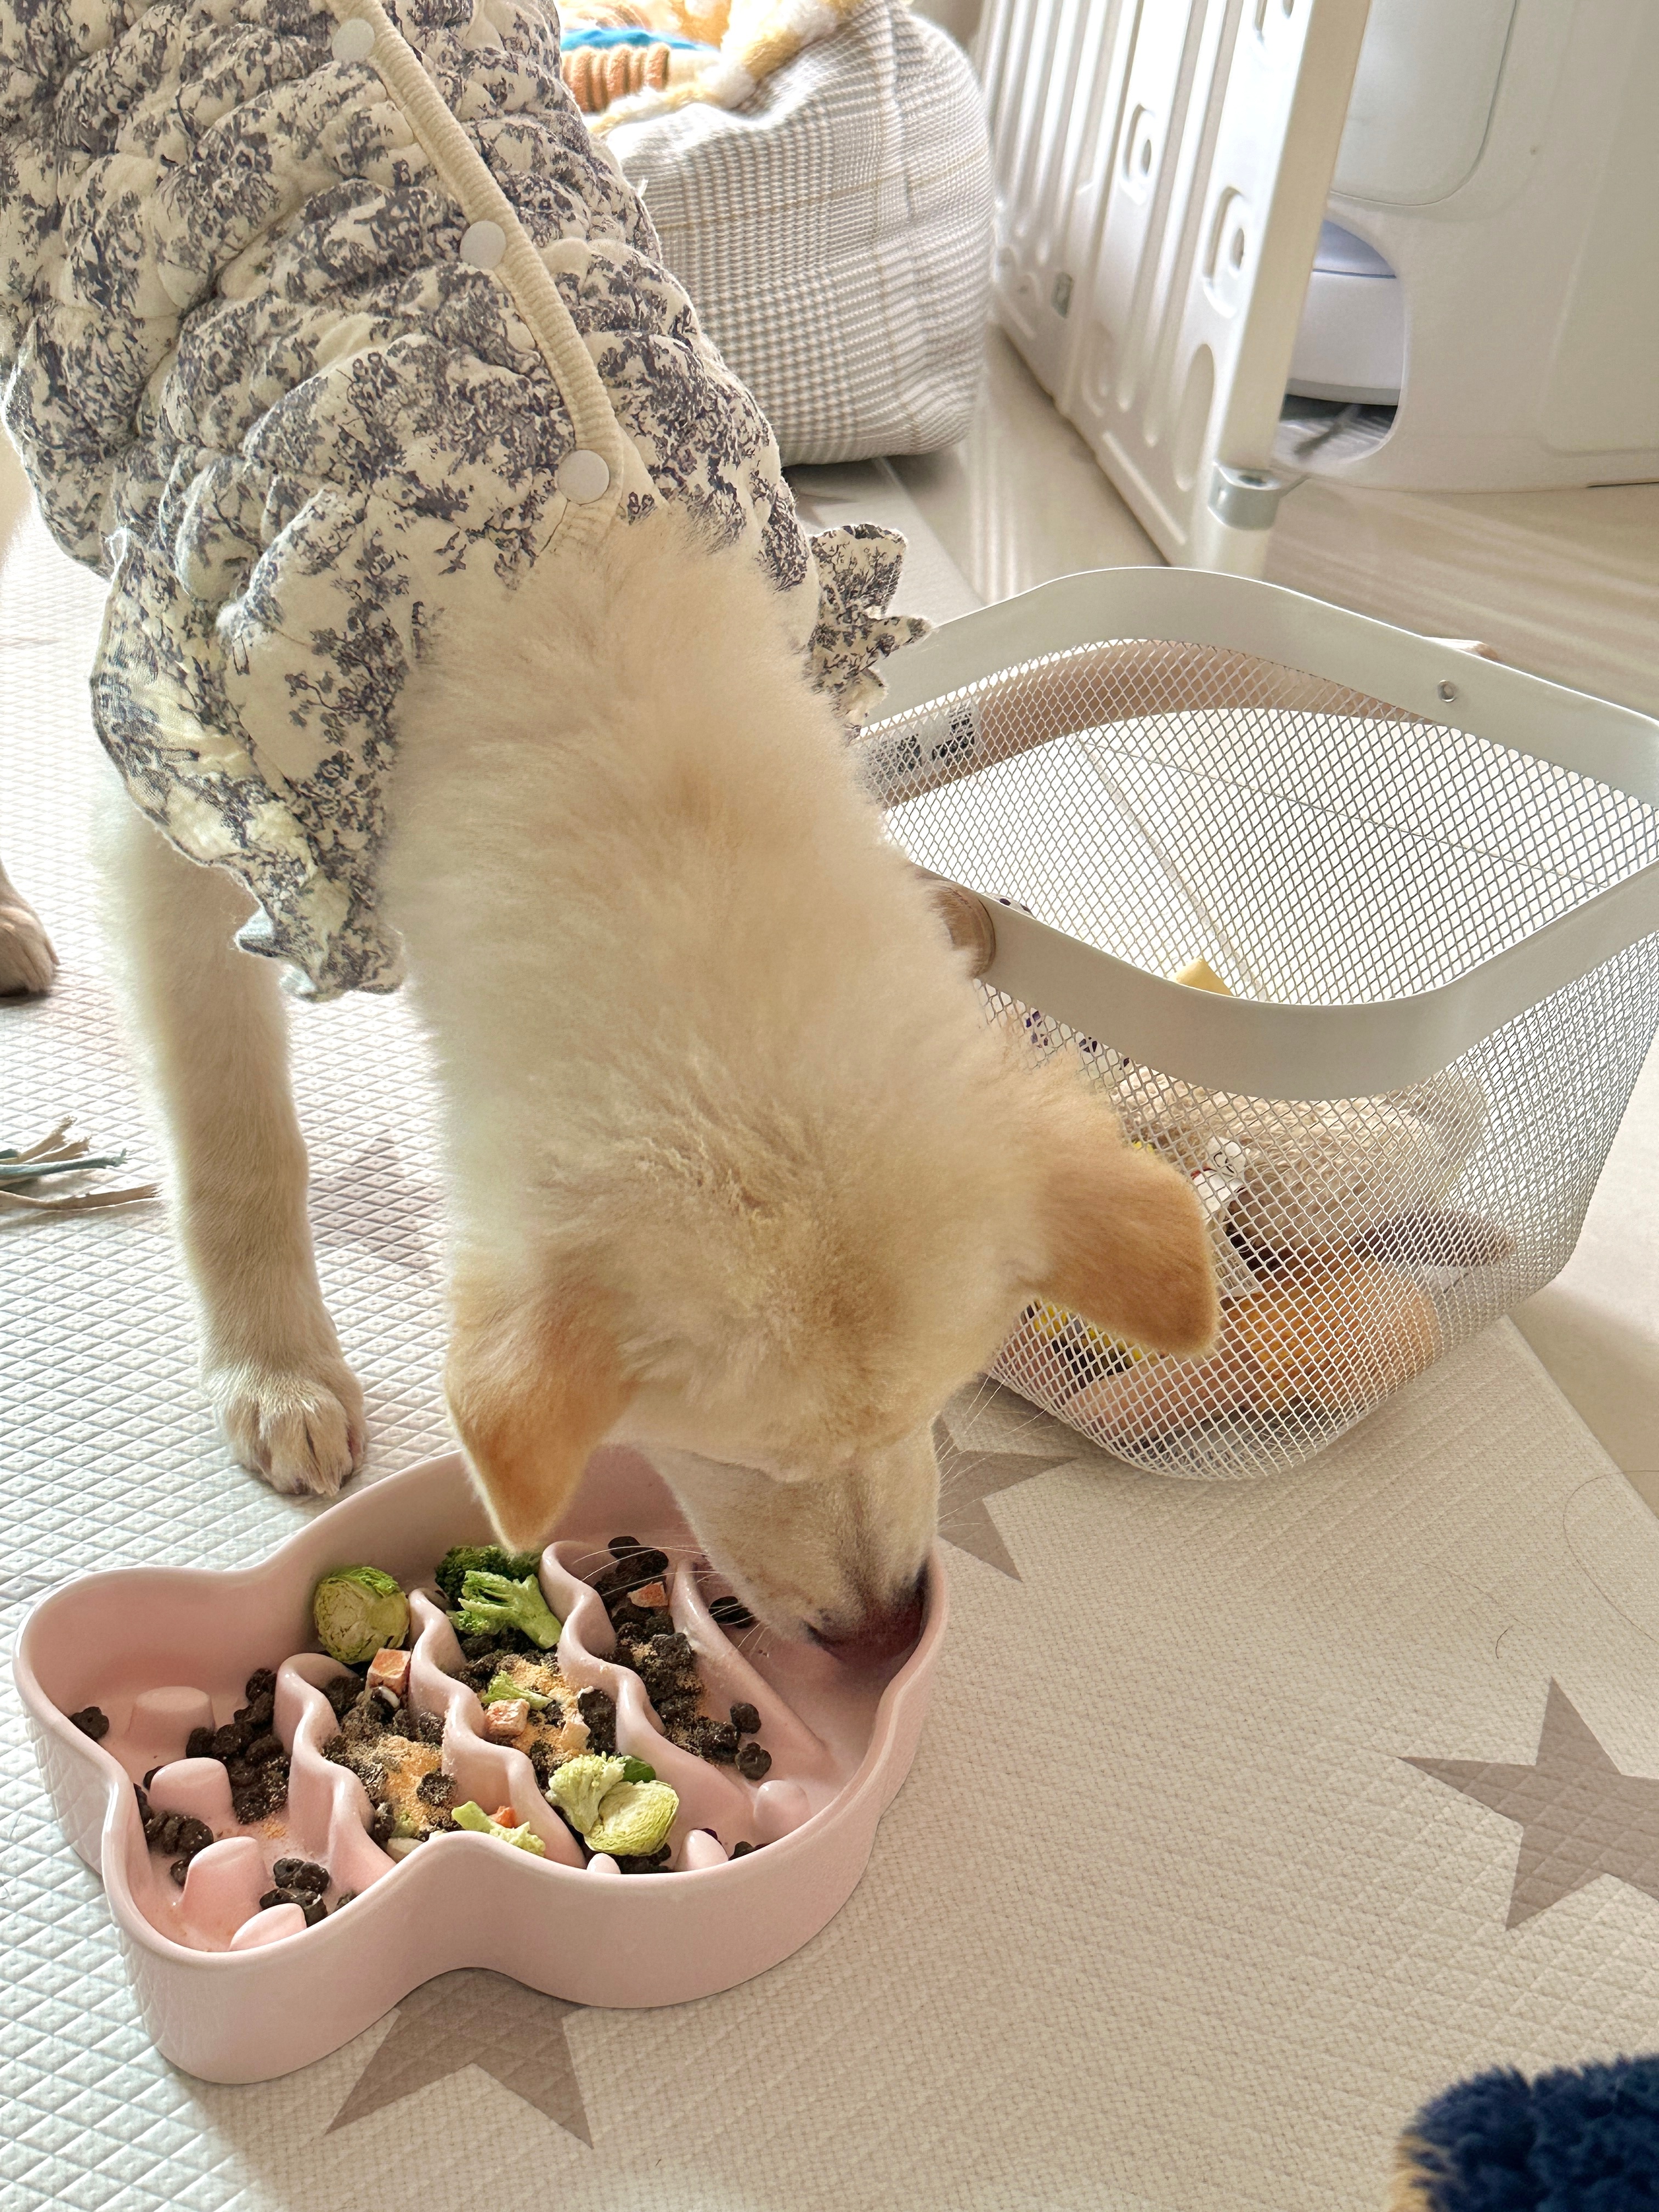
(1162, 171)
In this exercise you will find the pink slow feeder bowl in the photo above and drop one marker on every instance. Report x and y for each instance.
(235, 1994)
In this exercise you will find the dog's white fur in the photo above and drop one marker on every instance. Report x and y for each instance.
(738, 1171)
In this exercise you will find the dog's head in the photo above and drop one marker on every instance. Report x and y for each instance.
(777, 1313)
(739, 1174)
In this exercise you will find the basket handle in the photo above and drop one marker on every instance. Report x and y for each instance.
(1119, 681)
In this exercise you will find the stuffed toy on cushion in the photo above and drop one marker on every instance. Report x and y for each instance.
(1305, 1176)
(746, 40)
(1329, 1223)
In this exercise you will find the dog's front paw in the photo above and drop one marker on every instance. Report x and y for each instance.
(300, 1425)
(28, 963)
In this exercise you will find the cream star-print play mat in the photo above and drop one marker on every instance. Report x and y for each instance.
(1247, 1816)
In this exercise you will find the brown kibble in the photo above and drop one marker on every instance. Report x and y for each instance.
(746, 1719)
(754, 1762)
(300, 1875)
(598, 1712)
(643, 1565)
(91, 1722)
(341, 1691)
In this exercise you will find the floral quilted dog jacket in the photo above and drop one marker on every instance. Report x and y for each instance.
(316, 318)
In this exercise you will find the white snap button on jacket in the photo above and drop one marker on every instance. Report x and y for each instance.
(583, 476)
(484, 245)
(354, 42)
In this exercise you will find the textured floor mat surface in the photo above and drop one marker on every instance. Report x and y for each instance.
(1166, 1917)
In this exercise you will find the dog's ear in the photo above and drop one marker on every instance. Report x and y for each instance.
(1126, 1244)
(534, 1386)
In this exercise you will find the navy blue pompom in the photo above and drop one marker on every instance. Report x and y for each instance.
(1583, 2139)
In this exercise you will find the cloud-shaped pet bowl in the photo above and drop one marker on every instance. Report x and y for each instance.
(235, 1994)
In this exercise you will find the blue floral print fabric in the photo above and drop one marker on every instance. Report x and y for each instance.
(255, 382)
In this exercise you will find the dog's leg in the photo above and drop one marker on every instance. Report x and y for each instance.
(28, 963)
(212, 1026)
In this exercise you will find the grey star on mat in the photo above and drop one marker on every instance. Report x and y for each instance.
(967, 1478)
(373, 1206)
(1579, 1815)
(474, 2019)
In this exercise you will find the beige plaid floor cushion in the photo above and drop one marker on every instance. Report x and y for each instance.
(835, 234)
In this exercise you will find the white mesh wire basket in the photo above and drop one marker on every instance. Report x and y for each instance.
(1431, 885)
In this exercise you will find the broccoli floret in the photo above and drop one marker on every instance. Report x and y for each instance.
(523, 1838)
(617, 1814)
(580, 1783)
(503, 1685)
(491, 1601)
(464, 1559)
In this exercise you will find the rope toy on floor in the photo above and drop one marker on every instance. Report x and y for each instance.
(57, 1153)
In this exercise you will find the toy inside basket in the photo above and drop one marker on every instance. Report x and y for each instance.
(1424, 891)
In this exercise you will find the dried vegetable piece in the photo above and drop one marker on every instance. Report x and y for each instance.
(358, 1611)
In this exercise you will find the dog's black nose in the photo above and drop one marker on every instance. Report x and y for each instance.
(884, 1633)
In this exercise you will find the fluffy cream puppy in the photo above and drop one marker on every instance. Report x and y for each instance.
(738, 1173)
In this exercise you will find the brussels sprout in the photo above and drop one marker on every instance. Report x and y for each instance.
(358, 1612)
(634, 1819)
